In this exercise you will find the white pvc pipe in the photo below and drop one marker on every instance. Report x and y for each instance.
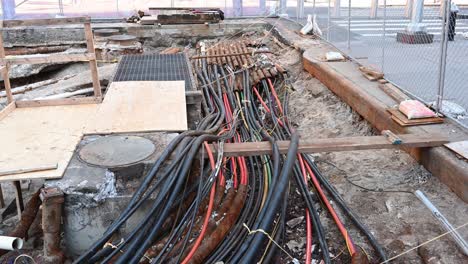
(445, 223)
(10, 243)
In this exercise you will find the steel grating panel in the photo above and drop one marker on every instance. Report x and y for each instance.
(155, 67)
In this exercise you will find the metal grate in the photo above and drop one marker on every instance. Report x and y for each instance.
(155, 67)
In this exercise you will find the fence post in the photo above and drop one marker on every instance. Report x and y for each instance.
(409, 8)
(349, 24)
(237, 6)
(283, 7)
(328, 20)
(443, 56)
(299, 9)
(384, 28)
(374, 8)
(262, 7)
(336, 8)
(61, 7)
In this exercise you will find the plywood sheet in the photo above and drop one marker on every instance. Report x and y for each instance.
(402, 120)
(141, 106)
(460, 147)
(38, 136)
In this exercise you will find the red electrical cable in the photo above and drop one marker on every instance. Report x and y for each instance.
(265, 106)
(208, 211)
(341, 227)
(308, 221)
(273, 91)
(261, 100)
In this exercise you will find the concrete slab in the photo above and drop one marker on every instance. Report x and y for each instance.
(95, 196)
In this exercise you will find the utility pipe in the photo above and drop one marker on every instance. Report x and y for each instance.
(445, 223)
(10, 243)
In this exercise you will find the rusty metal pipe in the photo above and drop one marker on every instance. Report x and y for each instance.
(228, 219)
(52, 200)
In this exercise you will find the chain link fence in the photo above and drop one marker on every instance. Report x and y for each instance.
(21, 9)
(367, 31)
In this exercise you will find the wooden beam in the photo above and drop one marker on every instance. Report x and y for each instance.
(5, 70)
(45, 22)
(53, 102)
(7, 110)
(92, 63)
(26, 170)
(334, 144)
(52, 58)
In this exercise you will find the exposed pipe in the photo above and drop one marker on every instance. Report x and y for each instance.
(445, 223)
(10, 243)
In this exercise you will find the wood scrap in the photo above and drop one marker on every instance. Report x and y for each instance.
(32, 86)
(67, 94)
(402, 120)
(370, 74)
(26, 170)
(277, 42)
(36, 50)
(460, 148)
(171, 50)
(393, 91)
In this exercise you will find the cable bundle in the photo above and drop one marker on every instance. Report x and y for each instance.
(197, 203)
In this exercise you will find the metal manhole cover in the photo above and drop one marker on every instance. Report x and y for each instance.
(116, 151)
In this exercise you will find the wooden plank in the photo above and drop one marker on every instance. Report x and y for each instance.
(92, 63)
(45, 22)
(7, 110)
(5, 70)
(26, 170)
(141, 106)
(334, 144)
(39, 136)
(48, 58)
(459, 147)
(395, 93)
(6, 80)
(56, 102)
(402, 120)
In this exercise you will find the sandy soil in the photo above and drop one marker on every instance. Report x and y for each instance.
(392, 212)
(394, 215)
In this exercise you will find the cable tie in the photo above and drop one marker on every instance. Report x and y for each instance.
(294, 260)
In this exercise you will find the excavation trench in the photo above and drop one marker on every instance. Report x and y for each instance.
(377, 185)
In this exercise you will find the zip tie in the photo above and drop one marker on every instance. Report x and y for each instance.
(295, 261)
(112, 245)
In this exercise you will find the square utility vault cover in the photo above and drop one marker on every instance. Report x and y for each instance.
(155, 67)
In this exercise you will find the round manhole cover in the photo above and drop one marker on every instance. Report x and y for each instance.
(116, 151)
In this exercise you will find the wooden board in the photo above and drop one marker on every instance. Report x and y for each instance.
(38, 136)
(141, 106)
(335, 144)
(402, 120)
(7, 110)
(460, 147)
(45, 22)
(48, 58)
